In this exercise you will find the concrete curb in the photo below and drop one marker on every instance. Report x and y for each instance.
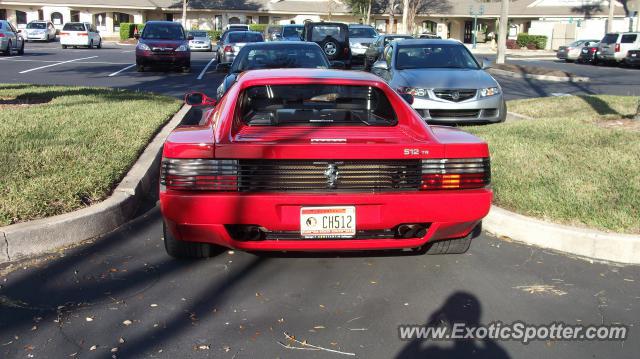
(539, 77)
(613, 247)
(45, 235)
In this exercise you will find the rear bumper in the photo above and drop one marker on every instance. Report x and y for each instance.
(202, 217)
(74, 41)
(148, 58)
(632, 61)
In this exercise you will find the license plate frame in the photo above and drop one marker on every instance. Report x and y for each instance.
(328, 222)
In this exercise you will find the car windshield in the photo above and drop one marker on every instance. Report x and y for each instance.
(279, 57)
(163, 32)
(198, 33)
(388, 39)
(244, 37)
(292, 31)
(73, 27)
(321, 32)
(37, 25)
(576, 43)
(435, 56)
(316, 105)
(362, 32)
(609, 39)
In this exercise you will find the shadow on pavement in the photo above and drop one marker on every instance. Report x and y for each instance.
(460, 307)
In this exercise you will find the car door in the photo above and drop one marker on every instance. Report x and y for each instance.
(16, 38)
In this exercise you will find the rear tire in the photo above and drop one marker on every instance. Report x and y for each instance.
(7, 52)
(140, 68)
(21, 51)
(453, 246)
(181, 249)
(99, 46)
(90, 45)
(186, 69)
(64, 46)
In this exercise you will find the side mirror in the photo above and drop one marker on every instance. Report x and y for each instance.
(136, 36)
(338, 65)
(189, 37)
(198, 99)
(223, 67)
(380, 66)
(407, 97)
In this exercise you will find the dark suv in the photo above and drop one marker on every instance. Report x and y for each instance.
(333, 38)
(163, 43)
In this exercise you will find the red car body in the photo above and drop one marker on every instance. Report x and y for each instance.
(217, 217)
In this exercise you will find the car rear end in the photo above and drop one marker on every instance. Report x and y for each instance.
(589, 54)
(75, 34)
(4, 35)
(610, 49)
(278, 181)
(235, 41)
(633, 58)
(37, 31)
(200, 42)
(360, 38)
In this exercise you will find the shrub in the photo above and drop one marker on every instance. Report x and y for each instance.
(214, 34)
(258, 27)
(512, 45)
(127, 29)
(538, 41)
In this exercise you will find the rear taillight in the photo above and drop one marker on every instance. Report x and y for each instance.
(228, 48)
(82, 34)
(593, 49)
(64, 33)
(199, 174)
(455, 173)
(1, 34)
(617, 48)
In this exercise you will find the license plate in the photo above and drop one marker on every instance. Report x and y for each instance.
(328, 222)
(633, 55)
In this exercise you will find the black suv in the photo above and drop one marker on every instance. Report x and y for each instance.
(333, 38)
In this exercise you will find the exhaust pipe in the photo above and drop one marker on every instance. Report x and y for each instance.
(411, 231)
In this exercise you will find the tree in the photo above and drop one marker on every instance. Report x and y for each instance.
(423, 7)
(503, 30)
(361, 8)
(184, 13)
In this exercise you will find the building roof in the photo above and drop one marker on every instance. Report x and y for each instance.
(129, 4)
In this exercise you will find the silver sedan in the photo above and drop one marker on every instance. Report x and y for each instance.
(443, 80)
(201, 41)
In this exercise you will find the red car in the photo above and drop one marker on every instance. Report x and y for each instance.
(320, 160)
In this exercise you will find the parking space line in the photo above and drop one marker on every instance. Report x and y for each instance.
(205, 69)
(121, 70)
(9, 58)
(56, 64)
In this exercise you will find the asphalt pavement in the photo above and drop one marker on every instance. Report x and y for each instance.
(122, 296)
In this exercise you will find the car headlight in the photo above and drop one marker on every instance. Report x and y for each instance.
(489, 91)
(413, 91)
(143, 47)
(182, 48)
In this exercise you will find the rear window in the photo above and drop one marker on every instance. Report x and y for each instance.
(362, 32)
(198, 33)
(73, 27)
(609, 39)
(321, 32)
(36, 25)
(273, 57)
(292, 31)
(245, 37)
(316, 105)
(629, 38)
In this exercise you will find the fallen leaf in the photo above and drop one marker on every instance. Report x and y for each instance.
(121, 340)
(93, 347)
(113, 350)
(226, 348)
(127, 322)
(281, 320)
(89, 319)
(34, 327)
(203, 347)
(153, 305)
(319, 327)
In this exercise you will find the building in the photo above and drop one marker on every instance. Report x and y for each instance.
(560, 20)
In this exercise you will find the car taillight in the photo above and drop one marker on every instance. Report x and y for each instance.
(1, 35)
(64, 33)
(593, 49)
(617, 48)
(455, 173)
(83, 34)
(199, 174)
(228, 48)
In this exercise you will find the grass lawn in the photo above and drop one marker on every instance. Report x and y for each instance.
(63, 148)
(577, 162)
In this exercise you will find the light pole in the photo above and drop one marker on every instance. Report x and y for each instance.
(475, 15)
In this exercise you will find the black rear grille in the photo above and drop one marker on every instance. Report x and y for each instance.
(329, 176)
(455, 95)
(454, 113)
(362, 234)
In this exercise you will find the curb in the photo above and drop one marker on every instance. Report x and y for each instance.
(603, 246)
(539, 77)
(45, 235)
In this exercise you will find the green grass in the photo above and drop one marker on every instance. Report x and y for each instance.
(562, 166)
(73, 149)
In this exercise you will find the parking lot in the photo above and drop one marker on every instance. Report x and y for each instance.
(123, 292)
(113, 66)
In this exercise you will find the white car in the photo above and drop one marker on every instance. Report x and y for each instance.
(201, 41)
(80, 34)
(40, 30)
(614, 46)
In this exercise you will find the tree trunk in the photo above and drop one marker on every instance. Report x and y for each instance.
(637, 116)
(369, 13)
(184, 13)
(405, 17)
(503, 31)
(612, 5)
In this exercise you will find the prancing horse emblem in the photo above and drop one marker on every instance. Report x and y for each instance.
(332, 175)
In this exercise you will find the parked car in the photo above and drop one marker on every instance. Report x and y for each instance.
(320, 160)
(163, 43)
(40, 30)
(446, 81)
(201, 41)
(633, 58)
(377, 47)
(272, 55)
(589, 54)
(614, 46)
(232, 41)
(360, 38)
(290, 32)
(333, 38)
(429, 35)
(572, 51)
(10, 39)
(237, 27)
(76, 34)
